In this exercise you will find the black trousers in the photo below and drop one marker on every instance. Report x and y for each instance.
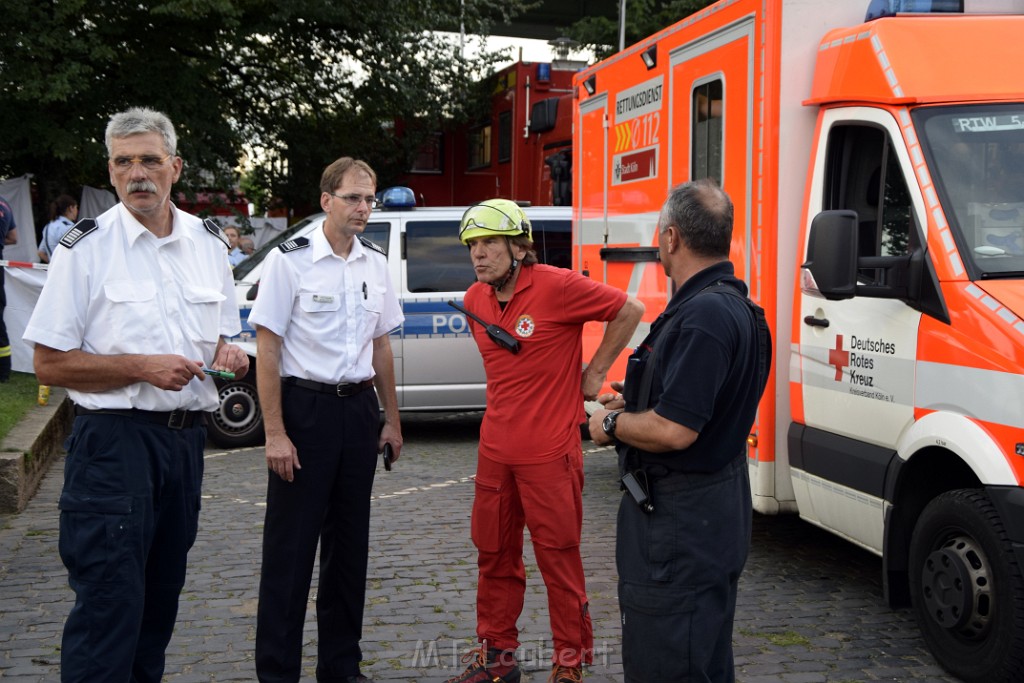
(328, 502)
(679, 568)
(129, 514)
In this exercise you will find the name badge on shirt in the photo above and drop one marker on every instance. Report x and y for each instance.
(323, 298)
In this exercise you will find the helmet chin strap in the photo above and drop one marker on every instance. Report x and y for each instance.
(511, 271)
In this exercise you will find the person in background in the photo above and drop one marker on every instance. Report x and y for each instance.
(323, 318)
(530, 459)
(691, 395)
(63, 214)
(235, 253)
(246, 245)
(133, 312)
(8, 235)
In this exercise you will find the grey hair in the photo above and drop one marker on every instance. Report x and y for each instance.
(702, 213)
(139, 120)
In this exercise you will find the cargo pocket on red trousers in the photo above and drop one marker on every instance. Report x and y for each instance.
(485, 525)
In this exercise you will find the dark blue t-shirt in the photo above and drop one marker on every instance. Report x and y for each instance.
(707, 371)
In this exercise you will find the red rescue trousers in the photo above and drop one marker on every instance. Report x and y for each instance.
(547, 498)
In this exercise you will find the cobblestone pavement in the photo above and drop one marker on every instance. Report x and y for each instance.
(810, 605)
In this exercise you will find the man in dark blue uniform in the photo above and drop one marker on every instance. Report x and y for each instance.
(8, 235)
(691, 394)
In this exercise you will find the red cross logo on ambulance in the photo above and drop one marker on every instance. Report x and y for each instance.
(839, 358)
(525, 326)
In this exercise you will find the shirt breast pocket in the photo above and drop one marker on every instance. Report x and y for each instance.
(202, 315)
(134, 314)
(319, 302)
(373, 299)
(322, 312)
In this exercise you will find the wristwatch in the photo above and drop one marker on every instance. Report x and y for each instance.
(609, 423)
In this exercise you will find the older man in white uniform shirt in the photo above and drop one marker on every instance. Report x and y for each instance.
(137, 304)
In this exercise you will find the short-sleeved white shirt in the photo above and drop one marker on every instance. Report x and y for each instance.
(122, 290)
(326, 309)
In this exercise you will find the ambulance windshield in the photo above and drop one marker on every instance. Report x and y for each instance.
(976, 154)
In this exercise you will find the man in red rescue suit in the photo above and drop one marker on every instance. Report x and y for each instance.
(530, 460)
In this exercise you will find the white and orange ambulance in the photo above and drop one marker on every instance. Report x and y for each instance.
(876, 163)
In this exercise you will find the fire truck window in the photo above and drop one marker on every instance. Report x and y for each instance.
(706, 159)
(504, 137)
(434, 261)
(480, 147)
(863, 175)
(428, 158)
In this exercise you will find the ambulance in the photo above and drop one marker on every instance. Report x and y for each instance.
(875, 158)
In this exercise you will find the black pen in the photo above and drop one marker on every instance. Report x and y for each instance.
(364, 290)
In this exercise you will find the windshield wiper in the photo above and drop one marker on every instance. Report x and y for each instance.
(1002, 275)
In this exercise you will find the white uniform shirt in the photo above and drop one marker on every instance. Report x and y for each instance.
(326, 309)
(121, 290)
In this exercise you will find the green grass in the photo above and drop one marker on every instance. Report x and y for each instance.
(16, 397)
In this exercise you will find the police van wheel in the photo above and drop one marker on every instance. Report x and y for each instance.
(238, 420)
(967, 588)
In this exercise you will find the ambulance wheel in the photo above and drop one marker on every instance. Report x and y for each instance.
(238, 420)
(967, 589)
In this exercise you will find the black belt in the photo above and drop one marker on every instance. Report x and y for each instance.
(343, 389)
(173, 419)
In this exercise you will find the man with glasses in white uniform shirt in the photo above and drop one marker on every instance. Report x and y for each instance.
(322, 317)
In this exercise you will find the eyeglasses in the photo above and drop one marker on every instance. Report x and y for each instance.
(150, 163)
(354, 200)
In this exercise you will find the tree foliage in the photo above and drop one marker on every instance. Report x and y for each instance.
(292, 83)
(643, 18)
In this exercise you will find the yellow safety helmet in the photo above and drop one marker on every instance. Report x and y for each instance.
(502, 217)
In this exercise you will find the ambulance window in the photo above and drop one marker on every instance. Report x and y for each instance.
(706, 159)
(479, 147)
(863, 174)
(435, 260)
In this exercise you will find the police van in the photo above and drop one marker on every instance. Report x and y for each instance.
(437, 365)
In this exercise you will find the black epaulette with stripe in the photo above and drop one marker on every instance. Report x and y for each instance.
(78, 231)
(292, 245)
(214, 229)
(370, 244)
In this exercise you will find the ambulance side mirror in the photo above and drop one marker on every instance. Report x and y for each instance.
(831, 265)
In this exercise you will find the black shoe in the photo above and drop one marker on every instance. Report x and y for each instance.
(359, 678)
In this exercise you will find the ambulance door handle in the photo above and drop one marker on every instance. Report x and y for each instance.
(816, 322)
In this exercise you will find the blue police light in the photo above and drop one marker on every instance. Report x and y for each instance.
(398, 197)
(543, 72)
(888, 8)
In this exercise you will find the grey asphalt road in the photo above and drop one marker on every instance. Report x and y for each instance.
(810, 605)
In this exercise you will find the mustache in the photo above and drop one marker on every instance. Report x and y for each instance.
(141, 186)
